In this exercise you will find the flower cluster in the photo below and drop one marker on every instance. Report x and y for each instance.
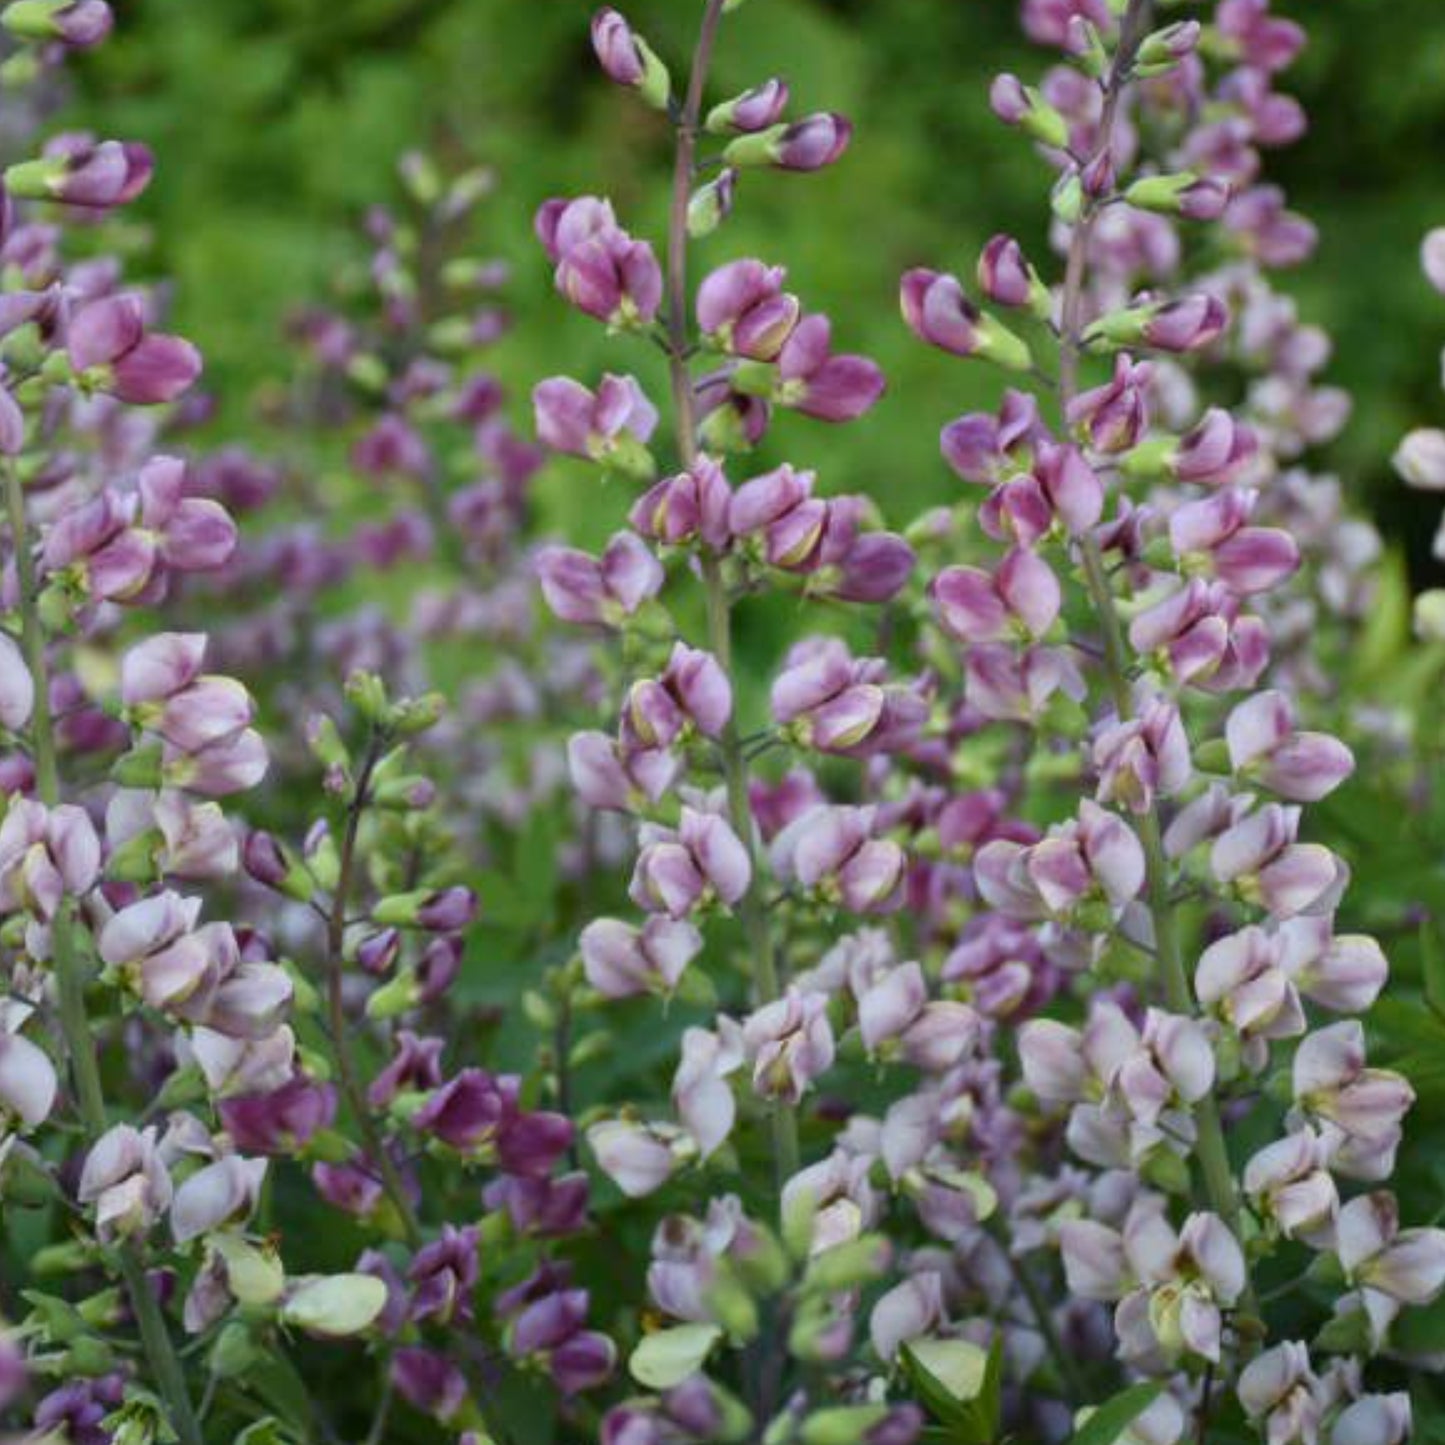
(1420, 459)
(754, 968)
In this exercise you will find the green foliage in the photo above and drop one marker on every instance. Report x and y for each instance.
(277, 121)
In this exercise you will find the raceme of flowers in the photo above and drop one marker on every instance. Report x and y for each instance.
(1000, 1069)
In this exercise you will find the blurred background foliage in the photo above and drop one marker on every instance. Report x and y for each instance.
(277, 121)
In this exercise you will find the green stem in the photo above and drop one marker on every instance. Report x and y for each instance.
(766, 978)
(1210, 1149)
(346, 1070)
(80, 1050)
(1064, 1363)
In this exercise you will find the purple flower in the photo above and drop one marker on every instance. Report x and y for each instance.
(600, 591)
(611, 426)
(80, 171)
(681, 870)
(110, 346)
(812, 380)
(743, 309)
(443, 1275)
(428, 1381)
(282, 1121)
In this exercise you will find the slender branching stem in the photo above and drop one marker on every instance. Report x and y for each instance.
(1211, 1151)
(80, 1049)
(766, 979)
(346, 1071)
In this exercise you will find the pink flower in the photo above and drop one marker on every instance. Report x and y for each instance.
(599, 591)
(790, 1043)
(1265, 746)
(611, 426)
(831, 851)
(743, 309)
(621, 961)
(684, 869)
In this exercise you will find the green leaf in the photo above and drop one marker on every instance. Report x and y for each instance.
(1106, 1424)
(1420, 1331)
(669, 1357)
(959, 1384)
(1432, 967)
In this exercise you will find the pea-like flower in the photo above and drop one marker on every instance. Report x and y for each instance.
(1172, 1287)
(701, 861)
(125, 1180)
(831, 851)
(1358, 1110)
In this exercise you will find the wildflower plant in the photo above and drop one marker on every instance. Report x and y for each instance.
(955, 1033)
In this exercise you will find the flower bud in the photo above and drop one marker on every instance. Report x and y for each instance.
(1194, 197)
(806, 145)
(1162, 50)
(1007, 279)
(711, 203)
(1015, 103)
(938, 312)
(80, 172)
(628, 59)
(77, 23)
(1420, 459)
(754, 110)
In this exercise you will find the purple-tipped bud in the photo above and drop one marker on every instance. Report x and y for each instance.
(1015, 103)
(1005, 276)
(809, 144)
(79, 171)
(938, 312)
(79, 24)
(754, 110)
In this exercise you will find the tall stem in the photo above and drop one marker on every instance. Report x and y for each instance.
(165, 1366)
(346, 1069)
(767, 982)
(1210, 1149)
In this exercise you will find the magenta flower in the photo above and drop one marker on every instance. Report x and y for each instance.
(742, 309)
(812, 380)
(80, 171)
(681, 870)
(611, 426)
(599, 591)
(111, 348)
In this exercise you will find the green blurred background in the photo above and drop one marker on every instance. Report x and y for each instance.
(277, 121)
